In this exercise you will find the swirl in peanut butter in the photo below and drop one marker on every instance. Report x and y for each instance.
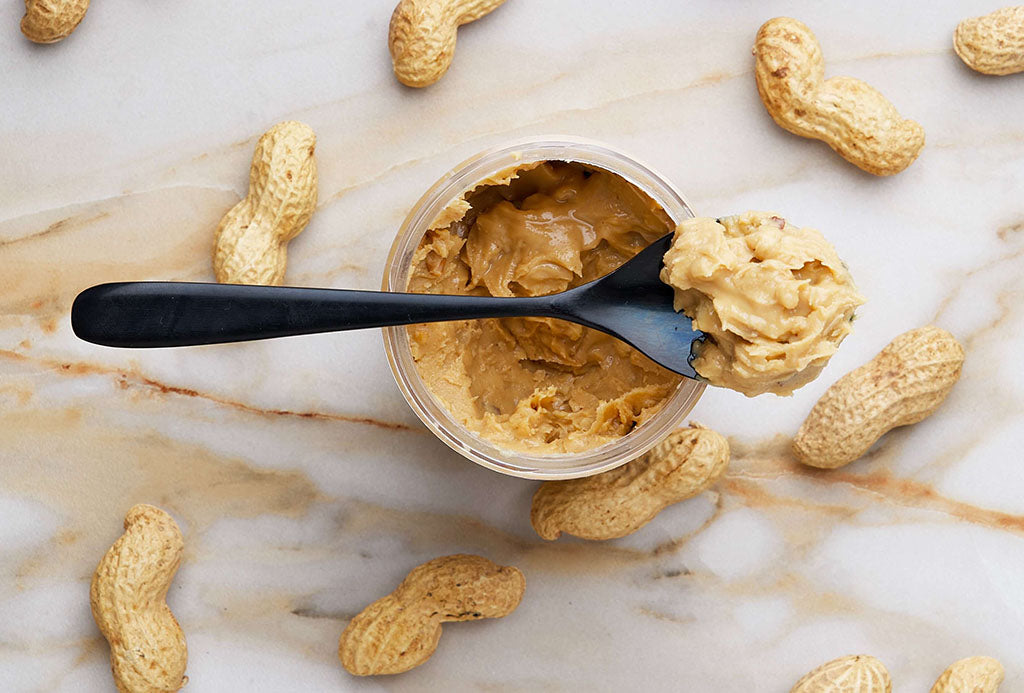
(538, 385)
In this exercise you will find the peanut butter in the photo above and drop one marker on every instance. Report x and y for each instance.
(537, 385)
(774, 300)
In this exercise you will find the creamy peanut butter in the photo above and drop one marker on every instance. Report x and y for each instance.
(537, 385)
(775, 300)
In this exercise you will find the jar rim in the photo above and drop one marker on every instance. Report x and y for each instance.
(458, 181)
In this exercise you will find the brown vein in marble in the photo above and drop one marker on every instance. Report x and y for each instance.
(922, 53)
(810, 602)
(1004, 232)
(65, 224)
(963, 141)
(92, 473)
(772, 461)
(126, 378)
(1005, 299)
(919, 495)
(755, 495)
(657, 615)
(521, 684)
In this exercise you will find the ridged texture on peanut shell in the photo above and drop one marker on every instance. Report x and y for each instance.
(49, 21)
(401, 631)
(852, 674)
(422, 33)
(850, 116)
(993, 44)
(147, 647)
(971, 675)
(250, 246)
(905, 383)
(623, 500)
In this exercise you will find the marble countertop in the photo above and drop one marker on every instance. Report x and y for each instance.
(304, 484)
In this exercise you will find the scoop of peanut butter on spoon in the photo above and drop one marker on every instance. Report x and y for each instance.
(774, 300)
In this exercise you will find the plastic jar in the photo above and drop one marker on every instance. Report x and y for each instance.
(432, 412)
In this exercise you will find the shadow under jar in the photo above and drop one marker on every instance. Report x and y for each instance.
(532, 397)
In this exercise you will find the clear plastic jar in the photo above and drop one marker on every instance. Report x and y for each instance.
(432, 412)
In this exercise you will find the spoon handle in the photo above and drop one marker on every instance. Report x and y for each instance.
(163, 314)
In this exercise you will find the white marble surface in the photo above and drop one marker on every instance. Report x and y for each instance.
(304, 484)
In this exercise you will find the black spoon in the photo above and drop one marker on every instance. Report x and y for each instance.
(631, 303)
